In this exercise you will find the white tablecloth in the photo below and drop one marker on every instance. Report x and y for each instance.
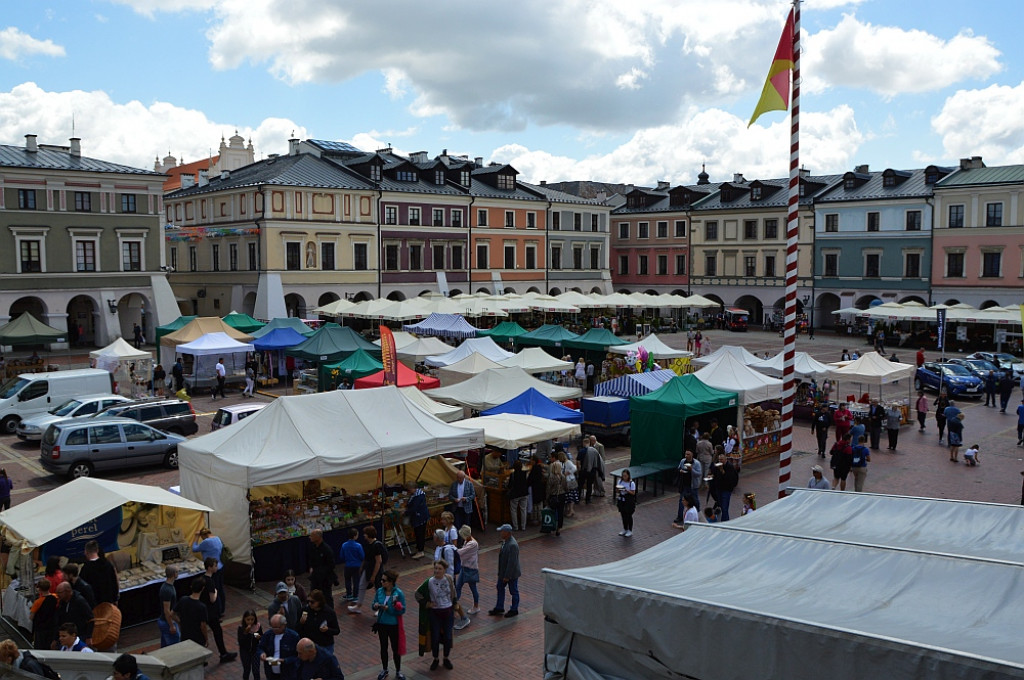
(16, 606)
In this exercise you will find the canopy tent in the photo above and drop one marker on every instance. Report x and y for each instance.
(356, 365)
(484, 346)
(700, 302)
(498, 385)
(633, 384)
(109, 357)
(243, 322)
(595, 340)
(738, 353)
(131, 368)
(193, 330)
(578, 300)
(402, 339)
(506, 331)
(370, 309)
(465, 368)
(533, 403)
(727, 373)
(28, 330)
(548, 335)
(654, 345)
(289, 442)
(536, 360)
(513, 304)
(445, 412)
(911, 625)
(279, 338)
(514, 430)
(292, 322)
(482, 306)
(548, 303)
(334, 308)
(331, 343)
(421, 348)
(873, 369)
(175, 325)
(444, 326)
(406, 378)
(658, 419)
(849, 311)
(34, 522)
(214, 343)
(400, 310)
(804, 366)
(614, 300)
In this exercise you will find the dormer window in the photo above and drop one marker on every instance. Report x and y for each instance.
(849, 183)
(931, 177)
(375, 173)
(755, 193)
(439, 177)
(507, 182)
(405, 176)
(464, 178)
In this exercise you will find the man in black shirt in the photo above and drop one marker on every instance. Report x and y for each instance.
(321, 564)
(209, 597)
(100, 574)
(192, 615)
(79, 584)
(74, 609)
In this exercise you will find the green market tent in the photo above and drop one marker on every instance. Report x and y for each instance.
(506, 331)
(243, 322)
(596, 340)
(173, 326)
(355, 365)
(548, 335)
(332, 343)
(657, 418)
(28, 330)
(284, 322)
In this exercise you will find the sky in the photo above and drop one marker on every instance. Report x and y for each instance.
(567, 90)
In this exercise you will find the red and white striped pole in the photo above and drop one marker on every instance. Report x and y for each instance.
(792, 237)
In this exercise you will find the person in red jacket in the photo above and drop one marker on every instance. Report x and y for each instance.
(843, 420)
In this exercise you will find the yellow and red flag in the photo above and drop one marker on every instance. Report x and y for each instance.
(389, 356)
(775, 95)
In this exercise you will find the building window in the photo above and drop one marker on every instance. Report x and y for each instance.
(85, 256)
(680, 229)
(556, 257)
(769, 265)
(327, 262)
(662, 265)
(173, 257)
(594, 222)
(913, 220)
(994, 215)
(750, 230)
(643, 230)
(992, 264)
(750, 265)
(405, 176)
(623, 230)
(233, 257)
(623, 264)
(131, 256)
(507, 182)
(293, 256)
(956, 216)
(390, 214)
(832, 222)
(755, 193)
(595, 258)
(457, 257)
(464, 178)
(390, 257)
(641, 265)
(531, 220)
(437, 256)
(83, 201)
(875, 221)
(415, 257)
(26, 199)
(375, 174)
(360, 257)
(711, 231)
(531, 257)
(31, 259)
(510, 219)
(253, 261)
(577, 222)
(214, 256)
(954, 265)
(193, 259)
(871, 265)
(482, 258)
(439, 177)
(577, 258)
(510, 256)
(662, 230)
(771, 229)
(438, 220)
(831, 264)
(556, 221)
(912, 265)
(414, 216)
(481, 218)
(456, 218)
(711, 265)
(127, 203)
(680, 265)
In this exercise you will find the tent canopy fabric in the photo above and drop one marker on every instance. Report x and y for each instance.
(531, 402)
(443, 325)
(445, 412)
(334, 308)
(909, 625)
(873, 369)
(200, 326)
(633, 384)
(402, 340)
(465, 368)
(285, 322)
(28, 330)
(596, 339)
(213, 343)
(536, 360)
(34, 522)
(804, 366)
(291, 440)
(243, 322)
(279, 338)
(729, 374)
(355, 365)
(498, 385)
(332, 343)
(406, 378)
(119, 350)
(655, 346)
(514, 430)
(485, 346)
(739, 353)
(421, 348)
(506, 331)
(548, 335)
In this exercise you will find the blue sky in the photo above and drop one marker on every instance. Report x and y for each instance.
(579, 89)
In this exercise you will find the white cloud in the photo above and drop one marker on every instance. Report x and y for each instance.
(984, 123)
(149, 8)
(631, 79)
(891, 60)
(131, 133)
(14, 45)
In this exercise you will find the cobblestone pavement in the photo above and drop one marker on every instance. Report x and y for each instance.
(510, 648)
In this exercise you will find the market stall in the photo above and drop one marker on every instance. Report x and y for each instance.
(548, 335)
(496, 386)
(667, 357)
(26, 330)
(531, 402)
(402, 340)
(140, 528)
(206, 351)
(193, 330)
(535, 360)
(357, 365)
(633, 384)
(292, 322)
(406, 378)
(740, 354)
(415, 352)
(807, 371)
(465, 368)
(505, 332)
(445, 412)
(442, 326)
(484, 346)
(132, 368)
(173, 326)
(243, 322)
(282, 472)
(873, 370)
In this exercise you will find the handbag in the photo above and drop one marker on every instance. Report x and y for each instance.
(572, 483)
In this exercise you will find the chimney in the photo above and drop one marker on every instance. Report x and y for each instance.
(972, 163)
(225, 174)
(30, 144)
(861, 169)
(737, 178)
(805, 173)
(188, 181)
(418, 156)
(543, 182)
(478, 161)
(663, 186)
(293, 147)
(76, 147)
(204, 178)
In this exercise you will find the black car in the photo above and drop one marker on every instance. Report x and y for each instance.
(168, 415)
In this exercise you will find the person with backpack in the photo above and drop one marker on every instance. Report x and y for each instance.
(376, 556)
(841, 462)
(23, 659)
(444, 550)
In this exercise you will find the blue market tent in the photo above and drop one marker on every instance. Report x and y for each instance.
(633, 384)
(279, 338)
(443, 326)
(533, 403)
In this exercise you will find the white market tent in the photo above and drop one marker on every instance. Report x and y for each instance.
(804, 366)
(873, 369)
(421, 348)
(465, 368)
(513, 430)
(113, 354)
(335, 308)
(402, 339)
(536, 360)
(288, 442)
(214, 343)
(129, 366)
(498, 385)
(903, 588)
(654, 345)
(728, 373)
(35, 522)
(445, 412)
(739, 353)
(485, 346)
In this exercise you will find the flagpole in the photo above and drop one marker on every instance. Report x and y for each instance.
(792, 237)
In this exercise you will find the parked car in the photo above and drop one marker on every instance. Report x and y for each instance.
(979, 367)
(229, 415)
(169, 415)
(955, 379)
(32, 394)
(1002, 360)
(79, 447)
(32, 429)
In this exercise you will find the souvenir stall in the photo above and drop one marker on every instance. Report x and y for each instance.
(739, 353)
(200, 370)
(132, 368)
(667, 357)
(341, 374)
(193, 330)
(275, 476)
(330, 344)
(270, 347)
(872, 370)
(808, 372)
(140, 528)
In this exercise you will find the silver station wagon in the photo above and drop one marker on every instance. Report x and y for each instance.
(79, 448)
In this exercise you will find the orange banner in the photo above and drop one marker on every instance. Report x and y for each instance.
(389, 356)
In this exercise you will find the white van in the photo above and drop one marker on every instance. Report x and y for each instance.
(31, 393)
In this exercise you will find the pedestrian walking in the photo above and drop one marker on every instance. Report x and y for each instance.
(437, 596)
(509, 571)
(352, 555)
(859, 464)
(318, 621)
(389, 603)
(250, 380)
(941, 402)
(222, 376)
(893, 418)
(320, 557)
(469, 557)
(843, 420)
(820, 422)
(556, 491)
(818, 480)
(1005, 390)
(955, 430)
(690, 475)
(876, 417)
(137, 335)
(725, 476)
(518, 495)
(250, 630)
(922, 409)
(840, 462)
(159, 381)
(178, 373)
(6, 486)
(168, 594)
(419, 515)
(625, 492)
(990, 389)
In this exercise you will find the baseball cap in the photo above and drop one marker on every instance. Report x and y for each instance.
(505, 527)
(281, 587)
(816, 468)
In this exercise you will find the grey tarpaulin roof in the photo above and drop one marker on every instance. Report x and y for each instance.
(858, 586)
